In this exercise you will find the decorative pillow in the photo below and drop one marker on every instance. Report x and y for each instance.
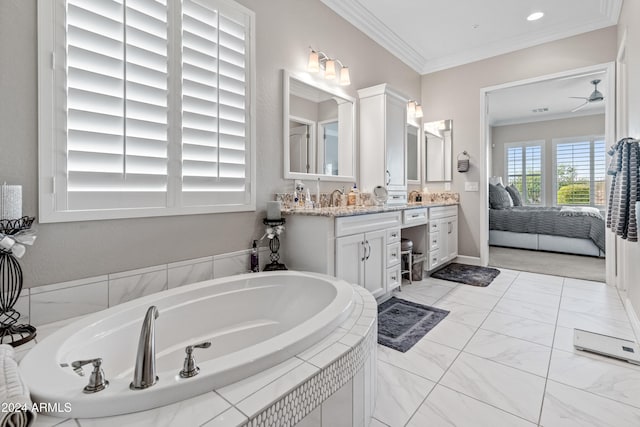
(499, 197)
(499, 185)
(515, 195)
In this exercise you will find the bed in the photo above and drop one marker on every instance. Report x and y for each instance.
(548, 229)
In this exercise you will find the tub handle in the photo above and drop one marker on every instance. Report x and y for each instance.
(97, 381)
(190, 369)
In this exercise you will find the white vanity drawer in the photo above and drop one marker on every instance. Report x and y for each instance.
(443, 211)
(434, 258)
(433, 241)
(393, 235)
(393, 254)
(434, 227)
(347, 225)
(415, 216)
(393, 278)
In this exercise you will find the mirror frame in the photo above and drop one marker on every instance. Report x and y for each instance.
(306, 79)
(444, 165)
(418, 125)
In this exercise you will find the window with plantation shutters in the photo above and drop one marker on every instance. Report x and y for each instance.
(580, 171)
(524, 165)
(145, 108)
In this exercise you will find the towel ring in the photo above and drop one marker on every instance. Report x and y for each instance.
(463, 163)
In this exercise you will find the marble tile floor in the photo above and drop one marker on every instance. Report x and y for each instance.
(504, 357)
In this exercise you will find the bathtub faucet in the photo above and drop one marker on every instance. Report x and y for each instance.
(144, 374)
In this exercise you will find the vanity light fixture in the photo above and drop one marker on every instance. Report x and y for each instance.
(535, 16)
(321, 61)
(414, 110)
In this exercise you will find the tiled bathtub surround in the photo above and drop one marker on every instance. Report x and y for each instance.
(332, 383)
(50, 303)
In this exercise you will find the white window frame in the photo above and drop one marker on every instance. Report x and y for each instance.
(52, 168)
(523, 144)
(568, 140)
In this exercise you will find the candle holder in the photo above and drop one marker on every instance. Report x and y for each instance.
(11, 286)
(274, 245)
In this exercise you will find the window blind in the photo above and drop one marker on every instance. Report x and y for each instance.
(580, 172)
(146, 108)
(117, 107)
(524, 170)
(214, 105)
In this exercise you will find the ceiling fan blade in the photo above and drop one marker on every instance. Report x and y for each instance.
(579, 97)
(580, 107)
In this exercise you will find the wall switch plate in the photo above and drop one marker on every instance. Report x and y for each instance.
(471, 186)
(447, 186)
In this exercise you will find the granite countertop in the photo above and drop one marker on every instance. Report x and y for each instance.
(340, 211)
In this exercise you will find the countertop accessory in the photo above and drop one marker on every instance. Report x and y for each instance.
(380, 195)
(274, 229)
(13, 234)
(273, 210)
(463, 162)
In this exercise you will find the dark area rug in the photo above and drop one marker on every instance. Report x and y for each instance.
(467, 274)
(402, 323)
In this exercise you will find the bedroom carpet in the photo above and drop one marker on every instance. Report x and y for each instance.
(575, 266)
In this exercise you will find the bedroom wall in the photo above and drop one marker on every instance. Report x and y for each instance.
(284, 31)
(629, 24)
(544, 130)
(455, 94)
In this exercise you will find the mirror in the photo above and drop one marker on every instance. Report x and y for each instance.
(438, 140)
(319, 124)
(413, 154)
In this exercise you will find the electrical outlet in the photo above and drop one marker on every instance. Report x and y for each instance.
(471, 186)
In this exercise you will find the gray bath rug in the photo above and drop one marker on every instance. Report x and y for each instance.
(467, 274)
(402, 323)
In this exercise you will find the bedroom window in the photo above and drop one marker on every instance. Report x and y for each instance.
(580, 171)
(524, 169)
(145, 108)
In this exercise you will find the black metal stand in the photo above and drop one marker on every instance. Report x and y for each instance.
(274, 246)
(10, 288)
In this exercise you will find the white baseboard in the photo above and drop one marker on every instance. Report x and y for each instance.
(469, 260)
(633, 318)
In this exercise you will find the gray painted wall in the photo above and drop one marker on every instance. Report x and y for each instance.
(455, 94)
(284, 31)
(547, 131)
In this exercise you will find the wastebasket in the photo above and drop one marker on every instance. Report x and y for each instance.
(417, 268)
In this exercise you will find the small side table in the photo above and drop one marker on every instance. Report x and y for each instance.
(274, 246)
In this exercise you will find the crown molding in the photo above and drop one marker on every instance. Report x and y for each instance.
(361, 18)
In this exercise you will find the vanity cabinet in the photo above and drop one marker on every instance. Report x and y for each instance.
(361, 259)
(442, 235)
(383, 141)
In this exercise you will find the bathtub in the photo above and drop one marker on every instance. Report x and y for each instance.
(254, 322)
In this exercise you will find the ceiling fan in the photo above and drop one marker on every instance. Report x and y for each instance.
(595, 96)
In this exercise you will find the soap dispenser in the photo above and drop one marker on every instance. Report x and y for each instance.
(352, 198)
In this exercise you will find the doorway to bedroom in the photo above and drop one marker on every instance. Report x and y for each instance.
(546, 140)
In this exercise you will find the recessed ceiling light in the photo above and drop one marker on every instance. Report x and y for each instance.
(535, 16)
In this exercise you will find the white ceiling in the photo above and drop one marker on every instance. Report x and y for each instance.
(431, 35)
(515, 105)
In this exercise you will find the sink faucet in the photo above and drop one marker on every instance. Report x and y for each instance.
(144, 374)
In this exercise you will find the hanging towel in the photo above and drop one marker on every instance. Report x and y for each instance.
(621, 213)
(13, 391)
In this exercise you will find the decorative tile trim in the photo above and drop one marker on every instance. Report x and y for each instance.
(302, 400)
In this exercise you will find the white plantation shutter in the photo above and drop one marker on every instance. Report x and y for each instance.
(214, 104)
(581, 170)
(145, 108)
(117, 111)
(524, 165)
